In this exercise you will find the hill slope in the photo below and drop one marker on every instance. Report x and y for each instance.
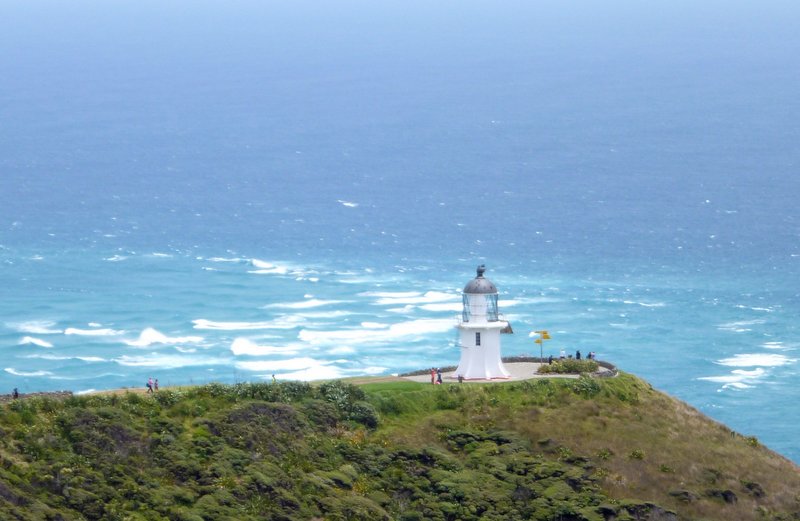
(550, 449)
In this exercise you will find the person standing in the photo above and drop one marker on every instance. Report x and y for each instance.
(433, 375)
(155, 384)
(439, 376)
(150, 385)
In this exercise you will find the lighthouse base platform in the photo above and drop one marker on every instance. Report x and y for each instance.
(518, 371)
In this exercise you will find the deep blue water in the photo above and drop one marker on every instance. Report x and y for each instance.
(203, 192)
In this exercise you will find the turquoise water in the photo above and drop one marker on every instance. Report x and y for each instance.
(196, 192)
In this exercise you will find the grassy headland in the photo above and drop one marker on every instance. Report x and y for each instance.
(585, 449)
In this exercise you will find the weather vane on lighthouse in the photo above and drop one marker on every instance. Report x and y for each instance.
(479, 331)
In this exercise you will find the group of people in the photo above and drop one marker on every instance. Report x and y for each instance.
(436, 376)
(563, 355)
(152, 385)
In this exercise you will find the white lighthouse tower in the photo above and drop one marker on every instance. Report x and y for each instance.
(479, 331)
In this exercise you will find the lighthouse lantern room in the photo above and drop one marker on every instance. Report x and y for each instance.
(479, 331)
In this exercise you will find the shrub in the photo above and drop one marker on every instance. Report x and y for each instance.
(294, 391)
(341, 394)
(569, 366)
(168, 398)
(321, 414)
(636, 454)
(604, 454)
(365, 414)
(586, 386)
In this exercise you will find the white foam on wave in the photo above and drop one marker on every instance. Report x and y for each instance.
(277, 270)
(644, 304)
(756, 360)
(765, 310)
(92, 332)
(167, 361)
(13, 371)
(244, 346)
(741, 326)
(506, 303)
(322, 372)
(90, 358)
(374, 325)
(390, 294)
(403, 330)
(86, 377)
(115, 258)
(257, 263)
(622, 325)
(300, 317)
(150, 336)
(34, 341)
(286, 322)
(429, 297)
(291, 364)
(36, 327)
(304, 304)
(451, 307)
(226, 259)
(352, 278)
(775, 345)
(738, 385)
(736, 375)
(161, 255)
(738, 379)
(61, 357)
(285, 269)
(370, 370)
(341, 350)
(348, 204)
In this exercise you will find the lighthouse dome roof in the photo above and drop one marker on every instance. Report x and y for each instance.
(480, 284)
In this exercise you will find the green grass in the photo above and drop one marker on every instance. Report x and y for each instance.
(641, 443)
(541, 449)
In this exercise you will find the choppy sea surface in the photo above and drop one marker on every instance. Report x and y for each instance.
(198, 192)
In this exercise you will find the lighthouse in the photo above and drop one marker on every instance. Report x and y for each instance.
(479, 331)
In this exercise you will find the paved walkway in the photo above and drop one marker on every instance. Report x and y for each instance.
(519, 371)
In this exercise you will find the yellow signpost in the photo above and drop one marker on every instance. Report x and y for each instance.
(543, 335)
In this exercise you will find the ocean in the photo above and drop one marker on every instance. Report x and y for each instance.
(203, 192)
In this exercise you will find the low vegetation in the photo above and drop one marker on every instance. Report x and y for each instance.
(573, 449)
(569, 366)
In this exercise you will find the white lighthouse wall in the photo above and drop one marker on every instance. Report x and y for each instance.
(481, 362)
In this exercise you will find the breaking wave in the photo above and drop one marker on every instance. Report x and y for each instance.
(13, 371)
(244, 346)
(93, 332)
(34, 341)
(288, 322)
(756, 360)
(150, 336)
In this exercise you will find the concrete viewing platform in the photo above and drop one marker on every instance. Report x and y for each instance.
(519, 371)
